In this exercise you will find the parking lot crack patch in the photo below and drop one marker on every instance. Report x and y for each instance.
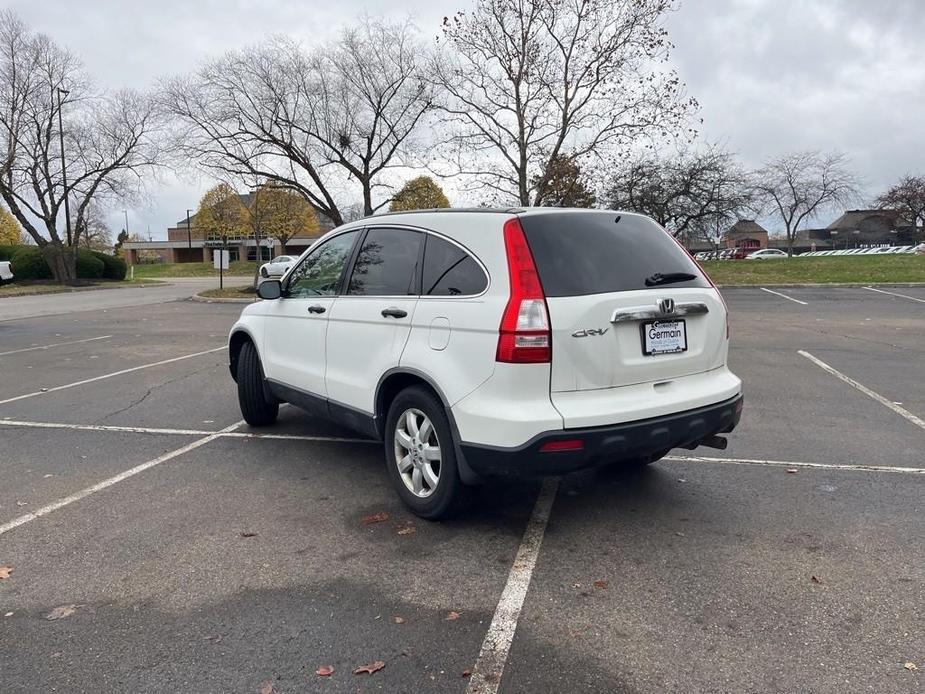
(150, 390)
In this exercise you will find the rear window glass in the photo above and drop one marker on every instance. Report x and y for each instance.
(450, 271)
(580, 253)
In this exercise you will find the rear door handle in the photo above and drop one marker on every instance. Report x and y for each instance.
(316, 309)
(393, 312)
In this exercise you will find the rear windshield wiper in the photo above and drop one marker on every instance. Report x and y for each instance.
(669, 278)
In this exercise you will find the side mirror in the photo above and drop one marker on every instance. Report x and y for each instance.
(270, 289)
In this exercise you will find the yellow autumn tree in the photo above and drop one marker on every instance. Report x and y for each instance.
(282, 213)
(221, 213)
(10, 231)
(421, 193)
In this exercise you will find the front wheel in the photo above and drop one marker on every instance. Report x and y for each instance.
(421, 456)
(258, 409)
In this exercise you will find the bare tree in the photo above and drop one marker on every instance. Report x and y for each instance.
(109, 141)
(312, 122)
(94, 233)
(691, 194)
(527, 81)
(797, 187)
(908, 198)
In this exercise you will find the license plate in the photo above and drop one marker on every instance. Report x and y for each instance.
(664, 337)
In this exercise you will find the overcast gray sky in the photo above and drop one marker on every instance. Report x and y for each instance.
(770, 75)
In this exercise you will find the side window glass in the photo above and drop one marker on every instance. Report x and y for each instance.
(450, 271)
(387, 264)
(319, 273)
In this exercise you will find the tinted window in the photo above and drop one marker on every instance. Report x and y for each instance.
(450, 271)
(592, 253)
(387, 264)
(319, 273)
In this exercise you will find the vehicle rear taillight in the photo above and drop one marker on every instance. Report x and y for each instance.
(524, 336)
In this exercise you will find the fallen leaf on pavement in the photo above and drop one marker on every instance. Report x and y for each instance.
(814, 579)
(5, 571)
(398, 620)
(267, 688)
(407, 529)
(452, 616)
(576, 585)
(911, 667)
(248, 534)
(8, 614)
(372, 667)
(467, 673)
(375, 518)
(792, 470)
(601, 584)
(61, 612)
(324, 671)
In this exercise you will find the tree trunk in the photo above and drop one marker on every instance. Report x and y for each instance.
(62, 261)
(367, 199)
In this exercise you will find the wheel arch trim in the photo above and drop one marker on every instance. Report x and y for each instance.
(467, 474)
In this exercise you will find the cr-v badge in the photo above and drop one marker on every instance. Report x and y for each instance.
(590, 332)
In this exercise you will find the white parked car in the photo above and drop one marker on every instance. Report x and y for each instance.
(766, 254)
(919, 250)
(477, 343)
(278, 266)
(6, 271)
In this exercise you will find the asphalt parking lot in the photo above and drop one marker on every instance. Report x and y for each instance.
(189, 554)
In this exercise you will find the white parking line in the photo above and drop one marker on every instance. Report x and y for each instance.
(179, 432)
(901, 411)
(791, 464)
(784, 296)
(115, 373)
(55, 344)
(99, 486)
(903, 296)
(487, 671)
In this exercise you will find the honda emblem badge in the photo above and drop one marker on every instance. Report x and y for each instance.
(666, 305)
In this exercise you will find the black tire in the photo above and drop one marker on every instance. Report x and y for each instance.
(258, 409)
(449, 494)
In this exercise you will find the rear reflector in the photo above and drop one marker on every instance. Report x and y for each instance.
(564, 445)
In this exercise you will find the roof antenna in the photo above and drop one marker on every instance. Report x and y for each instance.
(617, 220)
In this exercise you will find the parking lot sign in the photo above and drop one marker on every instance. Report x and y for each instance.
(220, 259)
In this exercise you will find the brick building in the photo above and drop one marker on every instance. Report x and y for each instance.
(189, 245)
(746, 233)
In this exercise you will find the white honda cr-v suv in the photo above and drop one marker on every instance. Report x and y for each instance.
(484, 342)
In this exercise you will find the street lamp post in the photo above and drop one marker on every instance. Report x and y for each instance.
(257, 250)
(67, 208)
(189, 232)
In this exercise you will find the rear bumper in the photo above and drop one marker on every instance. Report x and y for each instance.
(606, 444)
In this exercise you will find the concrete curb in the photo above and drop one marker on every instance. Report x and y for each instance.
(94, 288)
(220, 300)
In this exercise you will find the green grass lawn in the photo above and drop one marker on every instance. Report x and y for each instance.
(246, 292)
(48, 287)
(820, 270)
(239, 267)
